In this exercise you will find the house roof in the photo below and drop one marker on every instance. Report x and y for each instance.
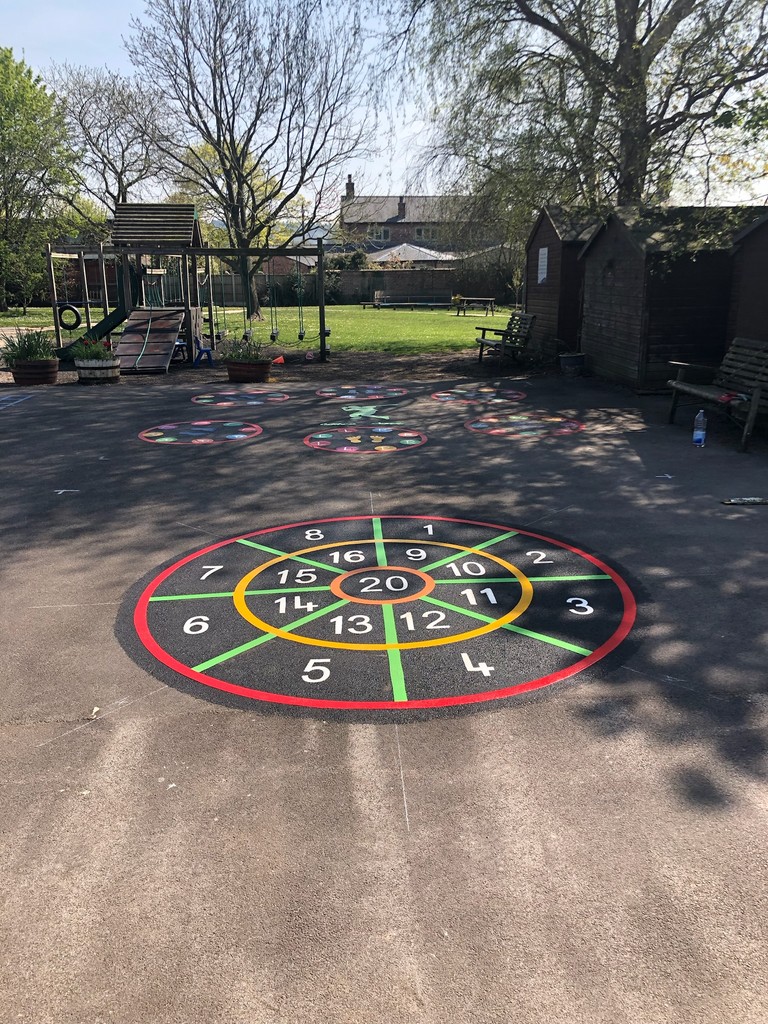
(408, 253)
(156, 224)
(681, 228)
(758, 223)
(386, 209)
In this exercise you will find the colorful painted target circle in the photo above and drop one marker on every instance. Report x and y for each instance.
(471, 394)
(365, 440)
(256, 396)
(517, 425)
(381, 613)
(201, 432)
(367, 391)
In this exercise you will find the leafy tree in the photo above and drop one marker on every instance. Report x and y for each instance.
(608, 95)
(35, 167)
(265, 103)
(118, 162)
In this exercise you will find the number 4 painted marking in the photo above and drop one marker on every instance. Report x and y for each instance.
(481, 667)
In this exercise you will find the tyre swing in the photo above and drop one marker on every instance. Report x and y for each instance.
(66, 308)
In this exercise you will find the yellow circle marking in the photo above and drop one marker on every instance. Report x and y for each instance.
(525, 598)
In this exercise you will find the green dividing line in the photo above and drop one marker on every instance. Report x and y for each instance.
(510, 626)
(474, 547)
(532, 579)
(396, 674)
(482, 579)
(566, 579)
(292, 558)
(378, 536)
(226, 655)
(248, 593)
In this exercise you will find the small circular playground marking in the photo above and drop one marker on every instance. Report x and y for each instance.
(201, 432)
(367, 391)
(365, 440)
(479, 393)
(517, 425)
(256, 396)
(378, 613)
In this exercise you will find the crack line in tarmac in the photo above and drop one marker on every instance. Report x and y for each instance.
(554, 512)
(122, 703)
(402, 779)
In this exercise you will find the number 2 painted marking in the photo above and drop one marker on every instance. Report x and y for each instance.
(542, 557)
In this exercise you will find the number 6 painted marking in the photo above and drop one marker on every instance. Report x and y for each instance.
(315, 665)
(197, 624)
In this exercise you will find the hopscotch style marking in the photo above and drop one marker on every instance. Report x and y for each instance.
(517, 425)
(227, 399)
(496, 392)
(364, 432)
(201, 432)
(382, 613)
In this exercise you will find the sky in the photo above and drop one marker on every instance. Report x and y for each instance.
(90, 33)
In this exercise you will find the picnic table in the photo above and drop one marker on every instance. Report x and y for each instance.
(465, 301)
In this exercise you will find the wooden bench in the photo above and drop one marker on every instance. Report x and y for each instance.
(738, 387)
(511, 340)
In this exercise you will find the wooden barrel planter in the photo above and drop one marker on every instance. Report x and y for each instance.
(98, 371)
(27, 372)
(248, 373)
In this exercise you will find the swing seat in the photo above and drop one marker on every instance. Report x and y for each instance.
(203, 352)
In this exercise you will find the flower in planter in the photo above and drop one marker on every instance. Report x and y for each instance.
(27, 345)
(244, 350)
(87, 349)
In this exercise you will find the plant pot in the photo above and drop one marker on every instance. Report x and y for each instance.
(98, 371)
(27, 372)
(572, 363)
(248, 373)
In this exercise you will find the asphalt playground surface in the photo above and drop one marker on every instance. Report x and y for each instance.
(221, 808)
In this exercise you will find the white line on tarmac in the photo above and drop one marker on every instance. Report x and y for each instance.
(124, 702)
(402, 780)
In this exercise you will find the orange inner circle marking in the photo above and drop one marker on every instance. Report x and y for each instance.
(240, 602)
(429, 586)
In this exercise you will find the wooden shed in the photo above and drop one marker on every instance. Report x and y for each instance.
(657, 287)
(748, 315)
(553, 276)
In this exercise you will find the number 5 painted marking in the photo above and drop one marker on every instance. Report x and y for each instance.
(315, 665)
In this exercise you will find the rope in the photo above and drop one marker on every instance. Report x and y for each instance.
(274, 331)
(300, 297)
(146, 339)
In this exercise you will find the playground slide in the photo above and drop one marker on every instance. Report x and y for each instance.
(107, 325)
(148, 340)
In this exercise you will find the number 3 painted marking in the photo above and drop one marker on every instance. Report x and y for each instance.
(315, 665)
(584, 608)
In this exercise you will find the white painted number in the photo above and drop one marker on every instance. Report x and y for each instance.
(429, 529)
(542, 557)
(482, 667)
(470, 568)
(315, 671)
(282, 605)
(314, 535)
(583, 607)
(348, 556)
(302, 576)
(373, 584)
(436, 616)
(471, 599)
(416, 554)
(197, 624)
(355, 624)
(211, 570)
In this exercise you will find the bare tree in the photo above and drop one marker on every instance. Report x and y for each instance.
(266, 101)
(118, 161)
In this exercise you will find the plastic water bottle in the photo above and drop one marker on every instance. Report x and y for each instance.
(700, 429)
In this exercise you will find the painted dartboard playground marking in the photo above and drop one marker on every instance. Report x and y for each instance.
(471, 394)
(227, 399)
(363, 439)
(517, 425)
(383, 613)
(367, 391)
(201, 432)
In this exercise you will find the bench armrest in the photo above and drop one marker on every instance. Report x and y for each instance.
(694, 372)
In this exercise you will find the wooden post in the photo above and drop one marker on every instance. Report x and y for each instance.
(84, 278)
(211, 324)
(54, 302)
(321, 300)
(126, 272)
(188, 328)
(103, 277)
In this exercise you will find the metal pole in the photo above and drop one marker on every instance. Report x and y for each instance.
(321, 300)
(54, 303)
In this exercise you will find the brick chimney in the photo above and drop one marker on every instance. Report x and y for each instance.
(350, 194)
(401, 207)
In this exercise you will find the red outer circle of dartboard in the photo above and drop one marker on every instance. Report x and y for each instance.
(156, 650)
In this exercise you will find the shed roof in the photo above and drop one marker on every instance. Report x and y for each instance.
(160, 224)
(571, 223)
(681, 228)
(386, 209)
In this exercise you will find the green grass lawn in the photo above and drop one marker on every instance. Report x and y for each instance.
(399, 332)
